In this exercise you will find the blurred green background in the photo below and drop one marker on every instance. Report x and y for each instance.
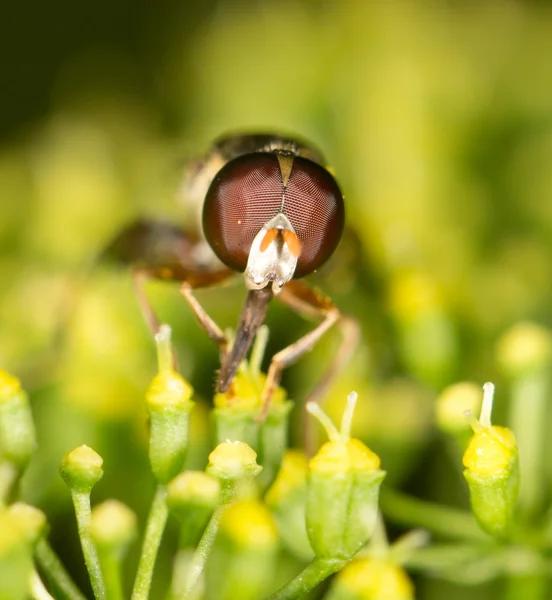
(437, 119)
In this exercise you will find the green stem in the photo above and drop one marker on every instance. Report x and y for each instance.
(443, 558)
(528, 410)
(181, 568)
(313, 574)
(157, 519)
(81, 502)
(203, 550)
(111, 566)
(445, 521)
(59, 580)
(37, 589)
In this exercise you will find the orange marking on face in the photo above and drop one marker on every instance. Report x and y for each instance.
(269, 237)
(292, 242)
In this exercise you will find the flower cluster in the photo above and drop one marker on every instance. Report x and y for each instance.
(257, 498)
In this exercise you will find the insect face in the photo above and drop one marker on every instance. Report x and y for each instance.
(274, 216)
(271, 211)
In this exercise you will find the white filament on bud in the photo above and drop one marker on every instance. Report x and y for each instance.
(164, 348)
(314, 409)
(487, 406)
(347, 418)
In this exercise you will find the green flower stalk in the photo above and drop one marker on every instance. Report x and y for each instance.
(287, 499)
(426, 330)
(342, 502)
(169, 404)
(236, 413)
(192, 497)
(59, 581)
(343, 490)
(492, 471)
(113, 528)
(233, 464)
(524, 354)
(81, 469)
(244, 556)
(17, 433)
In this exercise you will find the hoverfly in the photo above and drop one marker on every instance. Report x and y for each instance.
(271, 211)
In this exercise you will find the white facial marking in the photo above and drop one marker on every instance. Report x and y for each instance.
(275, 263)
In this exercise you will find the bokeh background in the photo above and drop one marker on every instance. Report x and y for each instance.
(435, 116)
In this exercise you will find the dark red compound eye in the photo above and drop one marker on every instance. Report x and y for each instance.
(248, 192)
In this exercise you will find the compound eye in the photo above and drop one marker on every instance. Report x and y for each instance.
(249, 191)
(244, 195)
(314, 206)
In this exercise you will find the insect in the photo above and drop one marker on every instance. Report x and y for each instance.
(271, 211)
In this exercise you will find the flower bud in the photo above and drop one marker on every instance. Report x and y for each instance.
(451, 407)
(372, 579)
(31, 520)
(17, 431)
(232, 462)
(492, 471)
(112, 529)
(525, 348)
(191, 497)
(81, 469)
(236, 413)
(426, 331)
(244, 556)
(169, 405)
(452, 404)
(112, 526)
(525, 356)
(343, 490)
(287, 499)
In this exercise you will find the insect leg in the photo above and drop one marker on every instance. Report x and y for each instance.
(311, 304)
(206, 322)
(142, 275)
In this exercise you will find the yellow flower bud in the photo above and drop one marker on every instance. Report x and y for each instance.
(343, 490)
(169, 404)
(452, 404)
(112, 526)
(17, 431)
(232, 462)
(372, 579)
(81, 469)
(524, 348)
(492, 471)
